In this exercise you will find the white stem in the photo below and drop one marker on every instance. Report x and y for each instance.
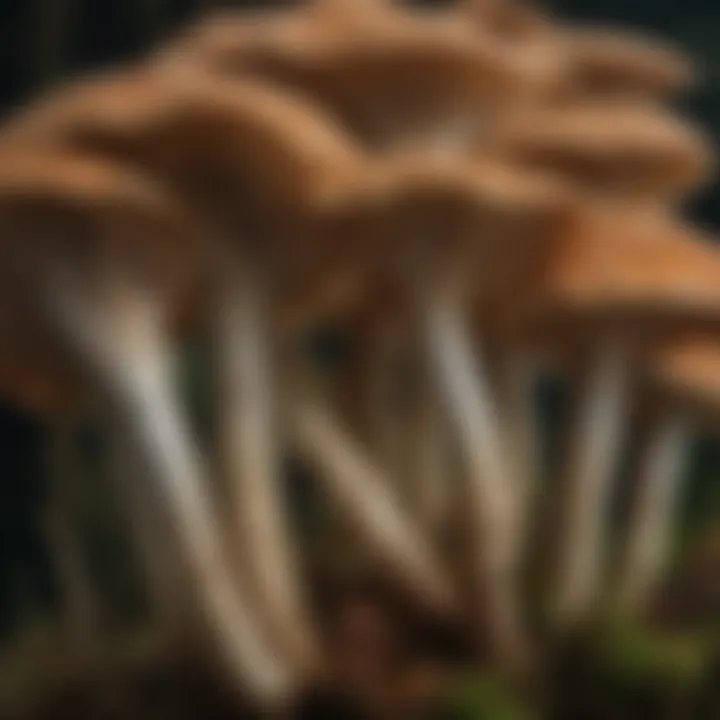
(430, 472)
(162, 572)
(368, 395)
(521, 433)
(469, 402)
(651, 522)
(381, 413)
(123, 352)
(364, 496)
(588, 485)
(252, 460)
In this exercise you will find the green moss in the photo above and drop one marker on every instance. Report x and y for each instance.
(627, 654)
(482, 696)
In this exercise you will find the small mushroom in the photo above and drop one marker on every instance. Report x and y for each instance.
(99, 256)
(684, 378)
(627, 157)
(40, 379)
(606, 288)
(442, 216)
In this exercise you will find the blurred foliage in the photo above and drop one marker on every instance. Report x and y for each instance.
(637, 657)
(478, 696)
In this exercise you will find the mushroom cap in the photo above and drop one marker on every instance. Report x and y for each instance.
(385, 73)
(617, 149)
(650, 275)
(462, 218)
(57, 204)
(686, 372)
(254, 161)
(276, 143)
(509, 19)
(590, 61)
(612, 61)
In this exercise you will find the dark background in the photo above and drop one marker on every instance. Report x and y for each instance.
(45, 41)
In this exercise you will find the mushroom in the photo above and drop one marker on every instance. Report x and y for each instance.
(684, 378)
(392, 77)
(626, 157)
(593, 61)
(395, 77)
(435, 209)
(95, 255)
(283, 168)
(33, 378)
(606, 287)
(574, 61)
(425, 237)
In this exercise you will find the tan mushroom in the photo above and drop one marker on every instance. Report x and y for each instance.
(627, 158)
(98, 256)
(606, 287)
(428, 243)
(391, 77)
(259, 163)
(683, 376)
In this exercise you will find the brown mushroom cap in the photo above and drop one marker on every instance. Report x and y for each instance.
(511, 19)
(471, 221)
(606, 60)
(650, 277)
(579, 61)
(622, 150)
(246, 156)
(57, 205)
(386, 70)
(273, 140)
(687, 373)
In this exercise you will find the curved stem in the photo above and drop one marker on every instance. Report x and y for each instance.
(653, 512)
(252, 460)
(588, 483)
(366, 499)
(521, 434)
(469, 403)
(133, 487)
(431, 491)
(123, 352)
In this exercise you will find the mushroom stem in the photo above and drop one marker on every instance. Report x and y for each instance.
(81, 606)
(169, 607)
(430, 476)
(587, 487)
(365, 497)
(370, 394)
(252, 460)
(123, 351)
(467, 395)
(651, 519)
(521, 434)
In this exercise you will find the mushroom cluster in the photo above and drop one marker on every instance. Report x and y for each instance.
(473, 196)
